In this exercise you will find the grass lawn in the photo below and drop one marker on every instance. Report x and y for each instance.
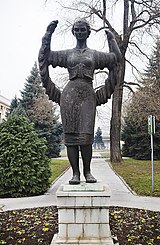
(58, 166)
(138, 175)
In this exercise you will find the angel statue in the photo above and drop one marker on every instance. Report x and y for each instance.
(78, 100)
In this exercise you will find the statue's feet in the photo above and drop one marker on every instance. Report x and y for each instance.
(75, 180)
(89, 178)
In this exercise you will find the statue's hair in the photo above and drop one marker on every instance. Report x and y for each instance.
(83, 21)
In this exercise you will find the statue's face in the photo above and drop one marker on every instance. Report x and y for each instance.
(80, 31)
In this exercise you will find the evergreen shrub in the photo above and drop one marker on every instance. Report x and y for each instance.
(24, 167)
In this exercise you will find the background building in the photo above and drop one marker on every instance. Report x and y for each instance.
(4, 106)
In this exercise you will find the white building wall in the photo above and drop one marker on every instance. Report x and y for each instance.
(4, 106)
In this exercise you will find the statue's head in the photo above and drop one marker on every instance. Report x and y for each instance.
(81, 25)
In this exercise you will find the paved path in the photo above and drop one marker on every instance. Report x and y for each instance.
(121, 194)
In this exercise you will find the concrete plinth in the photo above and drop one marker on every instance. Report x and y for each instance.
(83, 215)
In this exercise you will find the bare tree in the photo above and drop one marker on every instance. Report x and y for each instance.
(139, 17)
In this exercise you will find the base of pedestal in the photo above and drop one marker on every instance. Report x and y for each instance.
(57, 241)
(83, 215)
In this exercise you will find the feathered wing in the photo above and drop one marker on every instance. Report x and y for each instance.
(105, 92)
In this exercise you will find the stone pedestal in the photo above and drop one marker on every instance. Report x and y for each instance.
(83, 213)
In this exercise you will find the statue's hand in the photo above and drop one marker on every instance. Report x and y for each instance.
(110, 35)
(52, 26)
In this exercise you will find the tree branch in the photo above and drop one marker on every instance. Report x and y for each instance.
(129, 88)
(133, 67)
(132, 83)
(73, 8)
(104, 12)
(155, 17)
(133, 43)
(99, 29)
(125, 17)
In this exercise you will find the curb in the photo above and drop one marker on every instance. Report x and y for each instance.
(48, 191)
(124, 182)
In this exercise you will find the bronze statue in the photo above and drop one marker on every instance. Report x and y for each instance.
(78, 100)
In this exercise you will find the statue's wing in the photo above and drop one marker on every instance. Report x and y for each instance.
(104, 92)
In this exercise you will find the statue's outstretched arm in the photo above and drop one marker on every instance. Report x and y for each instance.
(113, 46)
(105, 92)
(44, 52)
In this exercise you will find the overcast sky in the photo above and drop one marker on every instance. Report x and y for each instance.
(22, 25)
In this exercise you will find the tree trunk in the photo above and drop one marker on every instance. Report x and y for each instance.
(115, 129)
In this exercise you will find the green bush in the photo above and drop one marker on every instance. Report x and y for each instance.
(24, 168)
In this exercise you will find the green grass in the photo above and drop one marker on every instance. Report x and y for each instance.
(138, 175)
(57, 168)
